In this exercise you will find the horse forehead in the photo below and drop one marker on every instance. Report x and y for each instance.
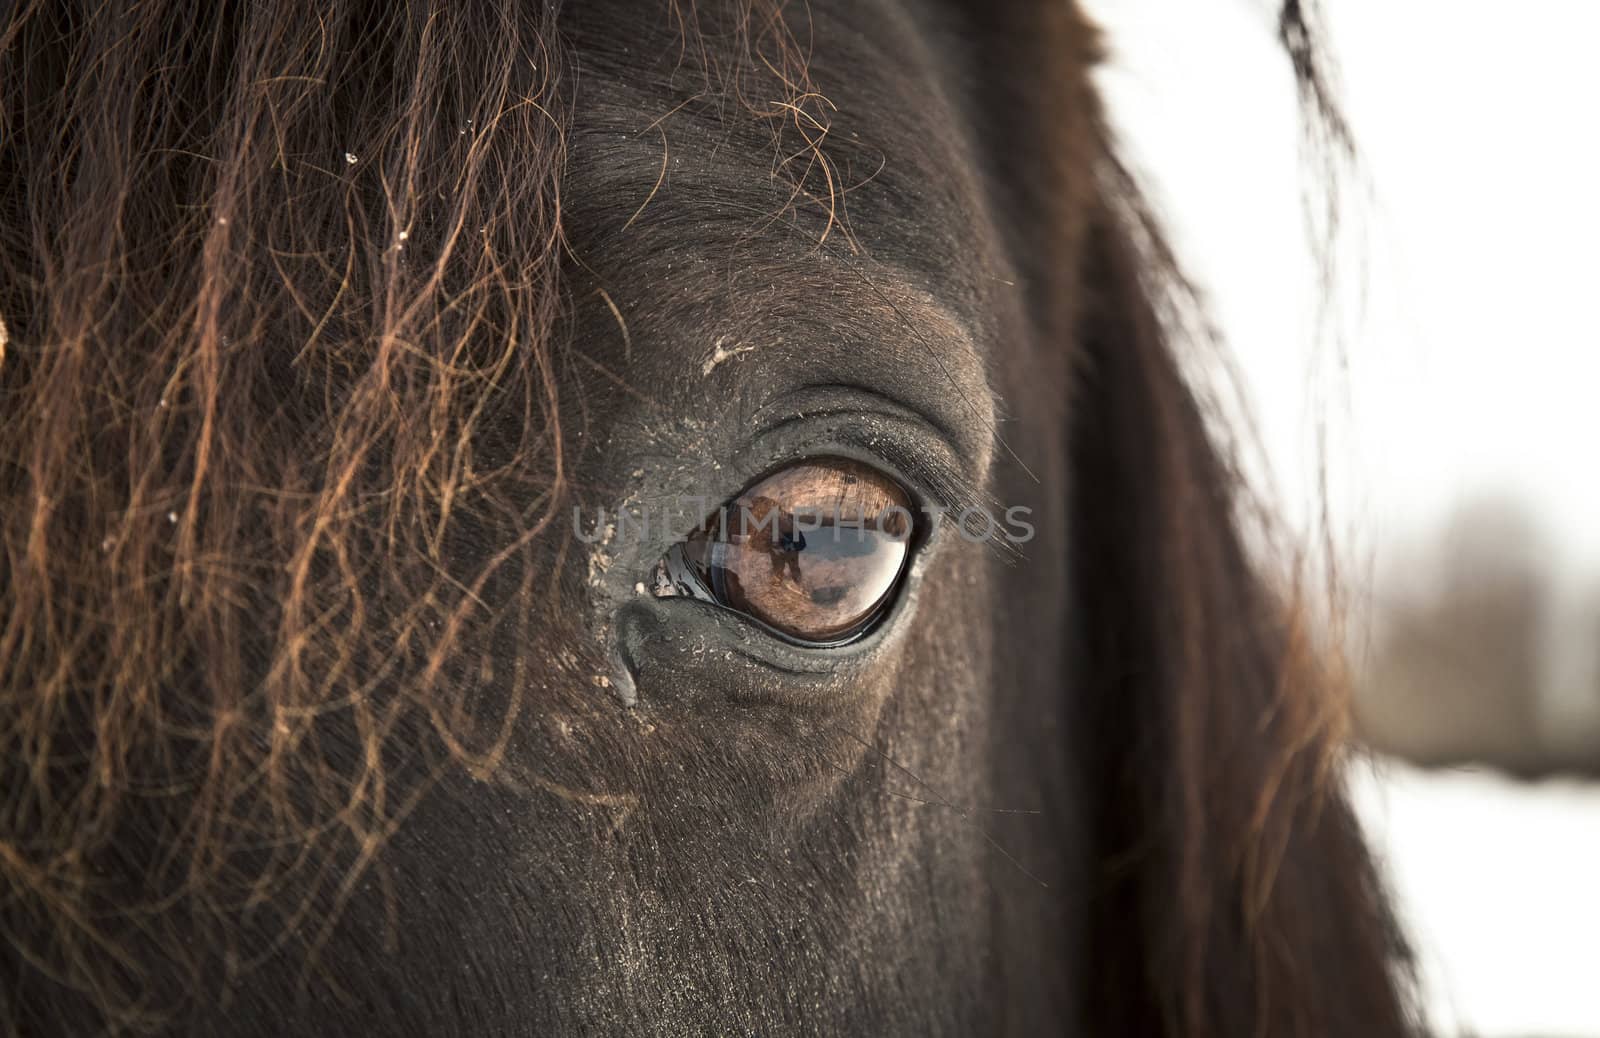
(718, 195)
(856, 132)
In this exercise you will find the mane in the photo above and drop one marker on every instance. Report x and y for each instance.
(1238, 897)
(278, 394)
(280, 307)
(1241, 898)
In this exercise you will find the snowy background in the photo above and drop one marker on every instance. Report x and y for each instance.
(1468, 384)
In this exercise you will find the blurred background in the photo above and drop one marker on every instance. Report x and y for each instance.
(1435, 414)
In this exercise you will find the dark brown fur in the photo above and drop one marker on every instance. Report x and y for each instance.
(311, 709)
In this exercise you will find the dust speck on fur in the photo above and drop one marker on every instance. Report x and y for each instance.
(719, 353)
(600, 559)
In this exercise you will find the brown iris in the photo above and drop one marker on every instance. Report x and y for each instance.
(814, 550)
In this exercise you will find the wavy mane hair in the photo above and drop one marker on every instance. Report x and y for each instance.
(279, 339)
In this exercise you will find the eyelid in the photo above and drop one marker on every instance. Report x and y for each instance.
(906, 442)
(712, 643)
(677, 491)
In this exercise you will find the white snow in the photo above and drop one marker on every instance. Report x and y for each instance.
(1498, 886)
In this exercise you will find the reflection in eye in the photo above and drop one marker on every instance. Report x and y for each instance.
(814, 551)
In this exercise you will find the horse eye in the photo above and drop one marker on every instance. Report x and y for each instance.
(815, 551)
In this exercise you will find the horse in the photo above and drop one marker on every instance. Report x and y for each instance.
(379, 653)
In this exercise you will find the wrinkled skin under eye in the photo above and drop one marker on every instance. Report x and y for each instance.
(815, 551)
